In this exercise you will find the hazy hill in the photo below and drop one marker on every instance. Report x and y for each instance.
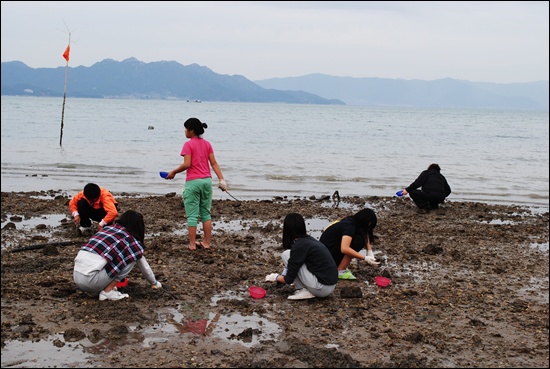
(132, 78)
(447, 93)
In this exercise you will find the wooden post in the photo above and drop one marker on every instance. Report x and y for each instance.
(66, 56)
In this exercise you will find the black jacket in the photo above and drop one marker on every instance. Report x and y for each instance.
(307, 250)
(431, 181)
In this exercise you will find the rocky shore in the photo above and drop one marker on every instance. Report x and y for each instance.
(469, 288)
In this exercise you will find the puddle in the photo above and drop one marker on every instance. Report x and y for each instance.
(185, 319)
(537, 290)
(340, 205)
(43, 354)
(314, 226)
(227, 295)
(246, 330)
(226, 226)
(418, 272)
(499, 221)
(50, 220)
(540, 246)
(34, 227)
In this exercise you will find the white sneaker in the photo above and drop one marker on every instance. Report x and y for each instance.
(301, 295)
(113, 294)
(85, 231)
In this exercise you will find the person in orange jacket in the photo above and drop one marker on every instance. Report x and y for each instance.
(93, 203)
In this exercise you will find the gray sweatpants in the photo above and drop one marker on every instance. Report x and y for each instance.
(306, 279)
(94, 284)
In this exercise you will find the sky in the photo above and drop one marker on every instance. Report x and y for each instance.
(478, 41)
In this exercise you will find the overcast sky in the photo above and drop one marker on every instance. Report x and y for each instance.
(479, 41)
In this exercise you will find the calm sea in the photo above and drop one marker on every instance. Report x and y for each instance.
(268, 150)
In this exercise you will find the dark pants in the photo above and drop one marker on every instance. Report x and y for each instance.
(87, 213)
(426, 200)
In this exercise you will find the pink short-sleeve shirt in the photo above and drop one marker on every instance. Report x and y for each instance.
(200, 150)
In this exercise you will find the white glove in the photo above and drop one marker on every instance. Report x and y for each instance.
(271, 277)
(370, 253)
(156, 286)
(222, 185)
(372, 261)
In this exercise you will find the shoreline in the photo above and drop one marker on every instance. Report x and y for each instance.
(150, 184)
(286, 196)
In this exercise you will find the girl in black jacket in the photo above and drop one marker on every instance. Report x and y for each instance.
(307, 262)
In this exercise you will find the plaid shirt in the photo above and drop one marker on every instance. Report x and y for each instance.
(115, 245)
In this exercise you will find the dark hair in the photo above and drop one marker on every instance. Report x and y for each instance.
(134, 224)
(92, 191)
(434, 166)
(195, 125)
(365, 221)
(294, 226)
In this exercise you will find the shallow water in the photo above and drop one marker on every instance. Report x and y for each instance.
(268, 150)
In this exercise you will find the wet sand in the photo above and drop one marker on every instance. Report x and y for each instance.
(469, 288)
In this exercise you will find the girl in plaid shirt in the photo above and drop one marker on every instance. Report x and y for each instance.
(110, 255)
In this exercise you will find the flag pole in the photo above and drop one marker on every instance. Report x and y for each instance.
(66, 56)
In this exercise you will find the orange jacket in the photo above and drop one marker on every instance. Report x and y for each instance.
(105, 201)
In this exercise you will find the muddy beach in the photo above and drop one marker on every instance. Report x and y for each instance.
(469, 288)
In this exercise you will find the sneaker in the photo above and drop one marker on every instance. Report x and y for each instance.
(301, 295)
(346, 275)
(113, 294)
(85, 231)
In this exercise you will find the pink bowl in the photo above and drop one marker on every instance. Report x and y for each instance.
(257, 292)
(382, 281)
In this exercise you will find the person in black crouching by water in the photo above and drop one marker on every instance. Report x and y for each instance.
(307, 262)
(109, 256)
(434, 189)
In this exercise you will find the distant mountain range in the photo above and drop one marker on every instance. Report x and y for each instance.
(440, 93)
(132, 78)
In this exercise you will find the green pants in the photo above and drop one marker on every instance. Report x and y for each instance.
(198, 200)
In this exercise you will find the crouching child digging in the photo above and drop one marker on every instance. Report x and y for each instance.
(109, 256)
(307, 262)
